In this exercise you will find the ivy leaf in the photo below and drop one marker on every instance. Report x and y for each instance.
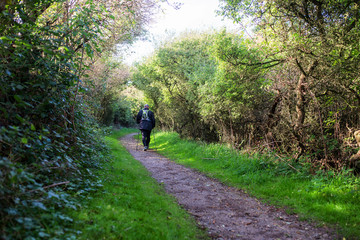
(43, 235)
(51, 194)
(39, 205)
(12, 211)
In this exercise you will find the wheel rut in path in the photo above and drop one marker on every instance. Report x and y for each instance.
(226, 213)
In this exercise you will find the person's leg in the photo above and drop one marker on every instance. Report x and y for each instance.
(148, 138)
(143, 134)
(145, 138)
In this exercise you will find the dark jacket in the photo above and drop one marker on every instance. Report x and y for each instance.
(146, 122)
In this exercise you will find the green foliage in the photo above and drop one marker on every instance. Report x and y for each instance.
(291, 87)
(201, 87)
(317, 43)
(238, 92)
(50, 142)
(106, 100)
(123, 115)
(171, 80)
(327, 197)
(131, 205)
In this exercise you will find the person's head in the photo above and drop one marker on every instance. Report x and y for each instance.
(146, 106)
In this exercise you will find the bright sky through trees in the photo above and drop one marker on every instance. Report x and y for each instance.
(193, 15)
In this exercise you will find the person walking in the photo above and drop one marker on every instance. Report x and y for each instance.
(146, 119)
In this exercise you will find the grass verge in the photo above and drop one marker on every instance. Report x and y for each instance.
(329, 199)
(132, 205)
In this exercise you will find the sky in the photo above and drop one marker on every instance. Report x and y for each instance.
(193, 15)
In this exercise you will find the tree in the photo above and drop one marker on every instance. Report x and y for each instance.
(318, 40)
(107, 78)
(239, 98)
(49, 138)
(171, 79)
(203, 88)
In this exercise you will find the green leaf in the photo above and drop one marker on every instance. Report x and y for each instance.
(63, 48)
(39, 205)
(24, 140)
(12, 211)
(32, 127)
(4, 38)
(43, 235)
(51, 194)
(18, 98)
(18, 117)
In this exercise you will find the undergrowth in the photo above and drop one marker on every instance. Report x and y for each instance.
(131, 204)
(328, 198)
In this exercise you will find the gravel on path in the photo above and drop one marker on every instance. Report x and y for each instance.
(225, 212)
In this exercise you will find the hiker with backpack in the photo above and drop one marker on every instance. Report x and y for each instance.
(146, 119)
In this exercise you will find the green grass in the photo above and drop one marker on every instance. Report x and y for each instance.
(132, 205)
(327, 198)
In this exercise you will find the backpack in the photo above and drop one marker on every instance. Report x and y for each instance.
(145, 115)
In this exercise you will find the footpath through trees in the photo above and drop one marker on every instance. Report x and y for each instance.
(226, 213)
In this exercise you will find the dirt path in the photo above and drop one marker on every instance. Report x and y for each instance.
(225, 212)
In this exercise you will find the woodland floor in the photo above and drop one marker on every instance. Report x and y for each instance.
(225, 212)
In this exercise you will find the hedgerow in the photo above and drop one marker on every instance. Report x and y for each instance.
(50, 142)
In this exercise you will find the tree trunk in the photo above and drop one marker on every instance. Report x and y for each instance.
(300, 102)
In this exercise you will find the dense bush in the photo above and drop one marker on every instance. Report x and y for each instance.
(107, 101)
(170, 81)
(50, 141)
(260, 93)
(317, 84)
